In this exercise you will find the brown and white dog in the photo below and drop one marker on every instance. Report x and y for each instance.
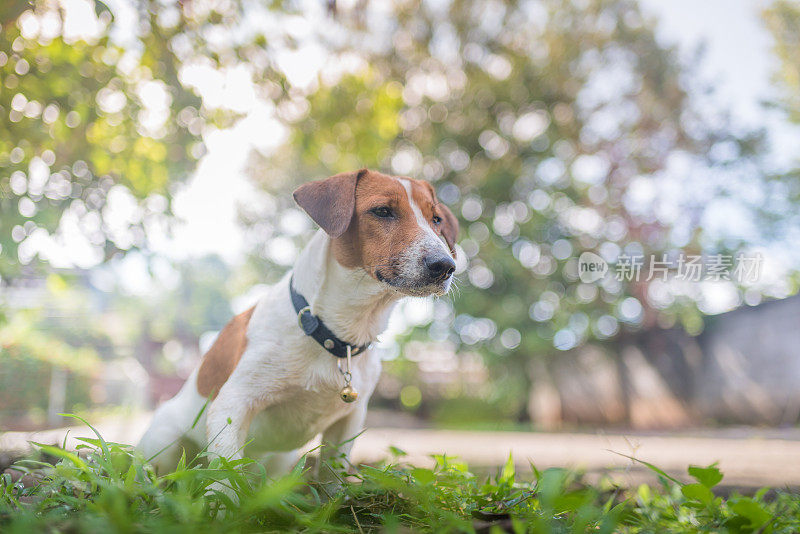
(381, 238)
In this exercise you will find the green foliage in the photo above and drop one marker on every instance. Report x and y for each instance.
(338, 138)
(108, 487)
(20, 340)
(782, 18)
(79, 117)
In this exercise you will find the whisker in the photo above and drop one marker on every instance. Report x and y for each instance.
(455, 284)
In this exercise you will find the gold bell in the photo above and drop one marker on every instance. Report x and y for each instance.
(348, 394)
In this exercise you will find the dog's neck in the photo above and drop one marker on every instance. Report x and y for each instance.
(355, 306)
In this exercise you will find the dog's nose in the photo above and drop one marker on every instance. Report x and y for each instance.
(439, 266)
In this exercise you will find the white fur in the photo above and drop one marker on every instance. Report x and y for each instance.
(285, 389)
(427, 243)
(430, 238)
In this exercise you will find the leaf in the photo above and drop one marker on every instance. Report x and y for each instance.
(200, 413)
(507, 474)
(536, 473)
(101, 7)
(103, 444)
(397, 452)
(298, 468)
(651, 467)
(130, 477)
(698, 492)
(752, 511)
(707, 476)
(423, 476)
(644, 493)
(182, 462)
(551, 486)
(95, 443)
(61, 453)
(271, 494)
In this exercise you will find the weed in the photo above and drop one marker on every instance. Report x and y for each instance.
(109, 487)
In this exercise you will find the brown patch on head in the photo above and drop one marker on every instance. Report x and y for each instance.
(372, 241)
(375, 243)
(371, 221)
(221, 359)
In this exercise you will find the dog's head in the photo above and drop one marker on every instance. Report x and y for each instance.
(392, 227)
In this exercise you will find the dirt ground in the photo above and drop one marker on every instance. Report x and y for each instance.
(749, 458)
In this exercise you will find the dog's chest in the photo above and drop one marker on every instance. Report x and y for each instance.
(290, 424)
(309, 406)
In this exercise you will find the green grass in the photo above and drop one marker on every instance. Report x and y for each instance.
(108, 487)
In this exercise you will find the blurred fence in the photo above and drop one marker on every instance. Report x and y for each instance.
(743, 369)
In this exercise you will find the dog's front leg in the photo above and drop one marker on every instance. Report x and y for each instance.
(227, 425)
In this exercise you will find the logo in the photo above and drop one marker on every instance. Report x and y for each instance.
(591, 267)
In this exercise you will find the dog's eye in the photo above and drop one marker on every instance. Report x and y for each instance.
(383, 212)
(437, 220)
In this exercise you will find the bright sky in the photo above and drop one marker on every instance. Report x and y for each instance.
(738, 53)
(738, 57)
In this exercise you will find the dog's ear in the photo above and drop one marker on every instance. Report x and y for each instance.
(330, 202)
(449, 228)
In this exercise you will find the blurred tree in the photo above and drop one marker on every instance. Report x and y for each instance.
(86, 119)
(551, 128)
(78, 117)
(783, 20)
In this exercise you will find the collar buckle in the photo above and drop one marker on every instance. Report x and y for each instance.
(304, 310)
(312, 326)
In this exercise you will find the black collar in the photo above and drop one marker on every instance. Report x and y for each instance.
(314, 327)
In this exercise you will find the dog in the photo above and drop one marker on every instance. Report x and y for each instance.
(298, 363)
